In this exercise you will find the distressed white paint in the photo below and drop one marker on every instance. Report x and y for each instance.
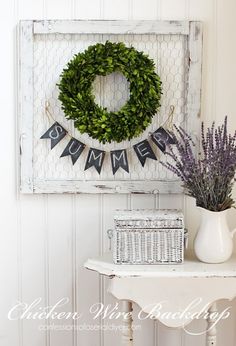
(191, 268)
(194, 82)
(26, 104)
(100, 186)
(111, 27)
(28, 253)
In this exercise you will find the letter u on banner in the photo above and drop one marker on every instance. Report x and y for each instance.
(73, 149)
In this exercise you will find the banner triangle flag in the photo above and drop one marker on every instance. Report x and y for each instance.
(119, 159)
(95, 159)
(55, 133)
(162, 138)
(73, 149)
(144, 150)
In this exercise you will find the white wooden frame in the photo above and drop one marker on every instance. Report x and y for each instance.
(27, 29)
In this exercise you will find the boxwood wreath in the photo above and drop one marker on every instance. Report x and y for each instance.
(78, 101)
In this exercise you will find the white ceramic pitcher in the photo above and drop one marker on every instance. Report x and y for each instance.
(214, 241)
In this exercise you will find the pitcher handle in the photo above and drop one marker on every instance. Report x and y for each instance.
(232, 233)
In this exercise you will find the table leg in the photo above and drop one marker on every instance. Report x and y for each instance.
(127, 331)
(211, 331)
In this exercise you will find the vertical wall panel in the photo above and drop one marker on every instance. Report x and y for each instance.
(60, 237)
(87, 283)
(110, 204)
(9, 241)
(29, 9)
(192, 218)
(60, 262)
(33, 230)
(88, 9)
(151, 9)
(143, 201)
(173, 9)
(88, 233)
(116, 9)
(33, 263)
(170, 202)
(226, 56)
(61, 9)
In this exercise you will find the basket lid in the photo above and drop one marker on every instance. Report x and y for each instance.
(148, 214)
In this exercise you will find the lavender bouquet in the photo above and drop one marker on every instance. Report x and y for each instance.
(208, 175)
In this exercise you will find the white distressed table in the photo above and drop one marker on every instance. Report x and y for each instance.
(176, 286)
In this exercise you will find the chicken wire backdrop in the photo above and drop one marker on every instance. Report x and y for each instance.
(45, 49)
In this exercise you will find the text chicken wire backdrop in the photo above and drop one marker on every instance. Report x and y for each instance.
(51, 53)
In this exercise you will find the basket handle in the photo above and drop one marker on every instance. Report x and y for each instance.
(110, 234)
(185, 238)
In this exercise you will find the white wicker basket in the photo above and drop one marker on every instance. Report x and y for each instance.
(149, 237)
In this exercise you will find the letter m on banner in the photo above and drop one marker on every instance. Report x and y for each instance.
(95, 159)
(119, 159)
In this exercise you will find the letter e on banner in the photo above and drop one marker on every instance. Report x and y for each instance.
(143, 150)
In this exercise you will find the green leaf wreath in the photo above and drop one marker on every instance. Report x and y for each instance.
(78, 101)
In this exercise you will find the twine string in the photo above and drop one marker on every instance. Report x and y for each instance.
(168, 124)
(51, 117)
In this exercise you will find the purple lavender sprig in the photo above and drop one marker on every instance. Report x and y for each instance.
(209, 175)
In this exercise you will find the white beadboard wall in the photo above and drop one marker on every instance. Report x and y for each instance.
(45, 239)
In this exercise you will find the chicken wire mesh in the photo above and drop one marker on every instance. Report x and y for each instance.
(51, 54)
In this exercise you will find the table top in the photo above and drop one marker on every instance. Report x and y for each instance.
(190, 268)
